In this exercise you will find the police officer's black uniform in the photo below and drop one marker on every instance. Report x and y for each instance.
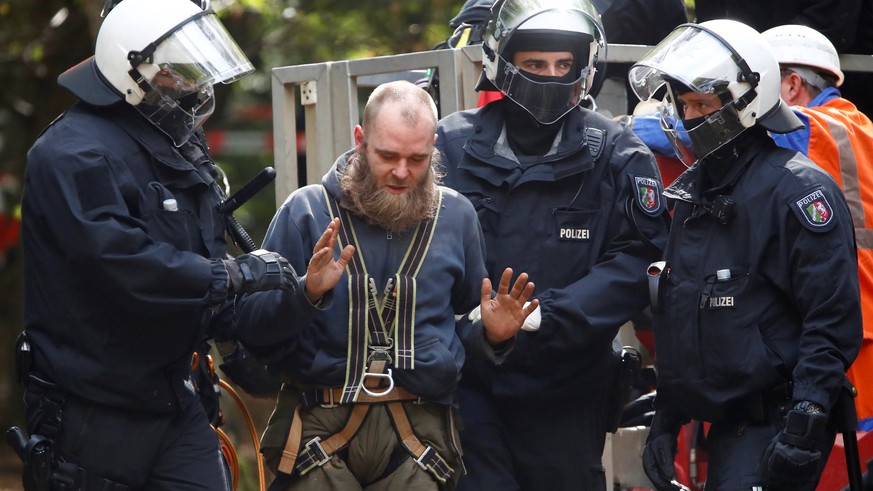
(759, 305)
(126, 266)
(120, 287)
(584, 221)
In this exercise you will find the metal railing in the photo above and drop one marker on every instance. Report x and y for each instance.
(332, 93)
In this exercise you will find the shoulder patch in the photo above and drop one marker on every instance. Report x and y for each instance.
(647, 191)
(814, 211)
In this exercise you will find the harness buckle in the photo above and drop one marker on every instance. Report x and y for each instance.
(316, 454)
(424, 455)
(387, 376)
(432, 462)
(380, 357)
(331, 402)
(381, 353)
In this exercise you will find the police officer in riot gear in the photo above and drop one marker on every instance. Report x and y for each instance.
(574, 199)
(126, 261)
(758, 312)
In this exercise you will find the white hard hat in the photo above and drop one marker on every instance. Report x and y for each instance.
(796, 44)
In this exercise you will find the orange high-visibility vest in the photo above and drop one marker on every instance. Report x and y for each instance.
(841, 142)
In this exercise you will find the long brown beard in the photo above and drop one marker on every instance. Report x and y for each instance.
(394, 212)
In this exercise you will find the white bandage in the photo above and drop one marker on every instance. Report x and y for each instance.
(532, 323)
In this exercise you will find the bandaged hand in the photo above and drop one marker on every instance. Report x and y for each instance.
(531, 324)
(503, 315)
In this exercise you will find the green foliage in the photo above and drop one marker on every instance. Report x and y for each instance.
(314, 31)
(689, 7)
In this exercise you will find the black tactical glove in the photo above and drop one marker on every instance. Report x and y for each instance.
(260, 270)
(792, 459)
(660, 451)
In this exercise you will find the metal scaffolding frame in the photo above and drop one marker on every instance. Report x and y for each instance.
(330, 95)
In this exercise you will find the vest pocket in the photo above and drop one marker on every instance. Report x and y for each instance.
(177, 227)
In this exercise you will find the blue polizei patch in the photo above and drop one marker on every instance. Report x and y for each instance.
(814, 211)
(648, 194)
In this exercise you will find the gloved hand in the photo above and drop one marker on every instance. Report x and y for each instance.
(260, 270)
(660, 451)
(792, 459)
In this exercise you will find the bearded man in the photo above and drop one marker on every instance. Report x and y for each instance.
(369, 350)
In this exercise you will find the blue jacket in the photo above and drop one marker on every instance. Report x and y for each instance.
(799, 139)
(313, 343)
(790, 311)
(119, 291)
(585, 222)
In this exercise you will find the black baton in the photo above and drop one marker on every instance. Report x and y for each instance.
(240, 237)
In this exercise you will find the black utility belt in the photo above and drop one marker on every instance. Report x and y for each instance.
(768, 406)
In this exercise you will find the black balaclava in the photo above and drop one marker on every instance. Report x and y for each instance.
(720, 161)
(525, 134)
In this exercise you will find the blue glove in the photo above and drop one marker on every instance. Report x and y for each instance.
(792, 459)
(660, 451)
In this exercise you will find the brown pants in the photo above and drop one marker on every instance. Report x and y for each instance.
(369, 452)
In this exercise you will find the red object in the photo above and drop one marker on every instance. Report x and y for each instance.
(835, 476)
(646, 337)
(691, 461)
(670, 168)
(486, 96)
(10, 232)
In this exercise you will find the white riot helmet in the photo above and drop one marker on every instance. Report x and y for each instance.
(721, 57)
(162, 57)
(797, 45)
(541, 25)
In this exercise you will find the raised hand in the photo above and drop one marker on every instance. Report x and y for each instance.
(324, 272)
(504, 314)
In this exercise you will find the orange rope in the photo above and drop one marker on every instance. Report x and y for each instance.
(229, 455)
(254, 432)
